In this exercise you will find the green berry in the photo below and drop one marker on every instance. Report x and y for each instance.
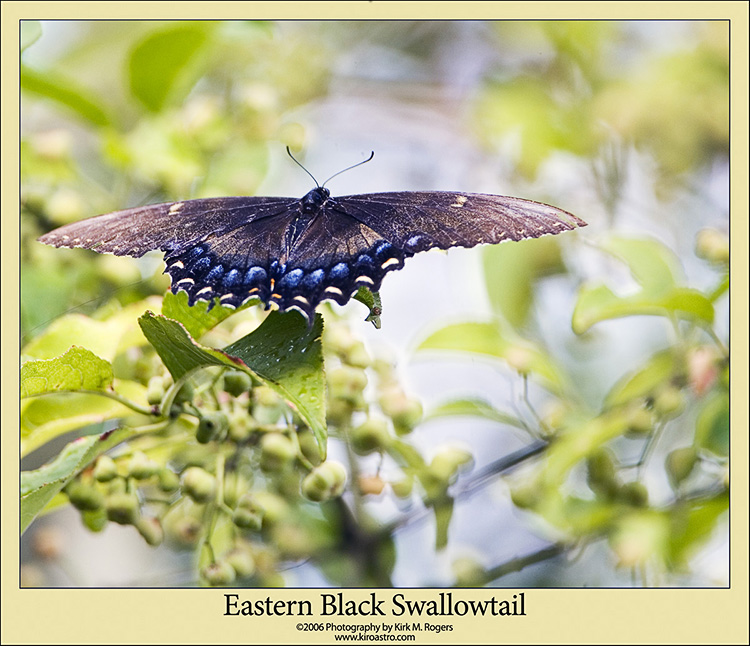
(680, 464)
(199, 484)
(404, 487)
(357, 356)
(123, 508)
(96, 520)
(640, 422)
(347, 383)
(634, 494)
(219, 573)
(151, 530)
(237, 382)
(155, 390)
(169, 481)
(247, 519)
(211, 424)
(277, 452)
(404, 411)
(184, 531)
(371, 435)
(266, 396)
(141, 467)
(242, 562)
(240, 426)
(105, 469)
(308, 445)
(325, 481)
(469, 572)
(602, 474)
(669, 402)
(185, 394)
(84, 497)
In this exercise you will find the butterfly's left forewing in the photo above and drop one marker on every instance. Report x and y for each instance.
(171, 227)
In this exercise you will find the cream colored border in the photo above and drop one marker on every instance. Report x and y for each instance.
(554, 616)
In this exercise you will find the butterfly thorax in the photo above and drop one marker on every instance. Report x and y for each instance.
(309, 207)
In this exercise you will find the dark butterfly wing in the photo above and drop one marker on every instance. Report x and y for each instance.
(170, 227)
(297, 253)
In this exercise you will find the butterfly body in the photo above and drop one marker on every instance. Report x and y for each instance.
(296, 253)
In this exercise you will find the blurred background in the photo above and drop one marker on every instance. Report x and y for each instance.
(625, 124)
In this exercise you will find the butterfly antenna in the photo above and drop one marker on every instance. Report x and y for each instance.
(372, 154)
(289, 152)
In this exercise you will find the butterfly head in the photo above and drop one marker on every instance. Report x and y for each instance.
(315, 199)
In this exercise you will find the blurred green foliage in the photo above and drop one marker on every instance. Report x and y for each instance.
(226, 458)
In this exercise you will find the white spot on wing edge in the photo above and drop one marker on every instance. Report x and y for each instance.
(389, 262)
(175, 207)
(460, 201)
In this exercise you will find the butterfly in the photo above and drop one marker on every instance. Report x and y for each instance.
(296, 253)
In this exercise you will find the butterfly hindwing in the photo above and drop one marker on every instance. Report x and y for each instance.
(298, 253)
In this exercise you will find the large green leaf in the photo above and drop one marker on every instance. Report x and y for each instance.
(712, 424)
(658, 370)
(163, 65)
(197, 319)
(693, 524)
(599, 303)
(77, 369)
(40, 486)
(510, 272)
(105, 338)
(657, 271)
(288, 355)
(54, 87)
(283, 352)
(45, 418)
(498, 341)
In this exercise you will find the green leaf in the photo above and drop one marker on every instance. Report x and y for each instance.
(443, 513)
(196, 319)
(54, 87)
(693, 524)
(177, 349)
(659, 369)
(578, 442)
(372, 301)
(510, 272)
(40, 486)
(656, 269)
(45, 418)
(712, 425)
(31, 31)
(283, 352)
(473, 408)
(77, 369)
(497, 341)
(105, 338)
(288, 355)
(162, 66)
(599, 303)
(653, 265)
